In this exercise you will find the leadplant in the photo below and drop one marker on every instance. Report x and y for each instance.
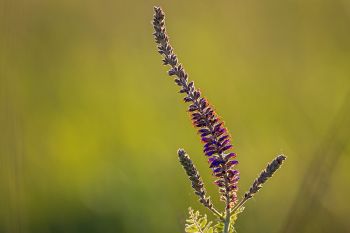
(217, 147)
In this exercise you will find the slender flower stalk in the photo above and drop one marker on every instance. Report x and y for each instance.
(196, 180)
(263, 177)
(214, 134)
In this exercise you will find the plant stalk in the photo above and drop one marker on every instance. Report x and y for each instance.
(217, 213)
(228, 212)
(227, 221)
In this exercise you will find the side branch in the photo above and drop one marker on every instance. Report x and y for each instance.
(263, 177)
(196, 180)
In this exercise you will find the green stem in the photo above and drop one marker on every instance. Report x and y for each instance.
(227, 221)
(217, 213)
(228, 212)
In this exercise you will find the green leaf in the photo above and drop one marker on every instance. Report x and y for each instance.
(203, 221)
(198, 223)
(191, 228)
(219, 227)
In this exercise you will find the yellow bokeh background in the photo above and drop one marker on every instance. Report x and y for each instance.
(90, 122)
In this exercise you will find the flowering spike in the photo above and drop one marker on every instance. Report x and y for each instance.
(195, 178)
(212, 130)
(265, 175)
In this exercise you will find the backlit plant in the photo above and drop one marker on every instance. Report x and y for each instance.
(217, 147)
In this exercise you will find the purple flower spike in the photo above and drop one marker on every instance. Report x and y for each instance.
(211, 129)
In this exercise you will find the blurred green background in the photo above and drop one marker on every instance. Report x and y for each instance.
(90, 122)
